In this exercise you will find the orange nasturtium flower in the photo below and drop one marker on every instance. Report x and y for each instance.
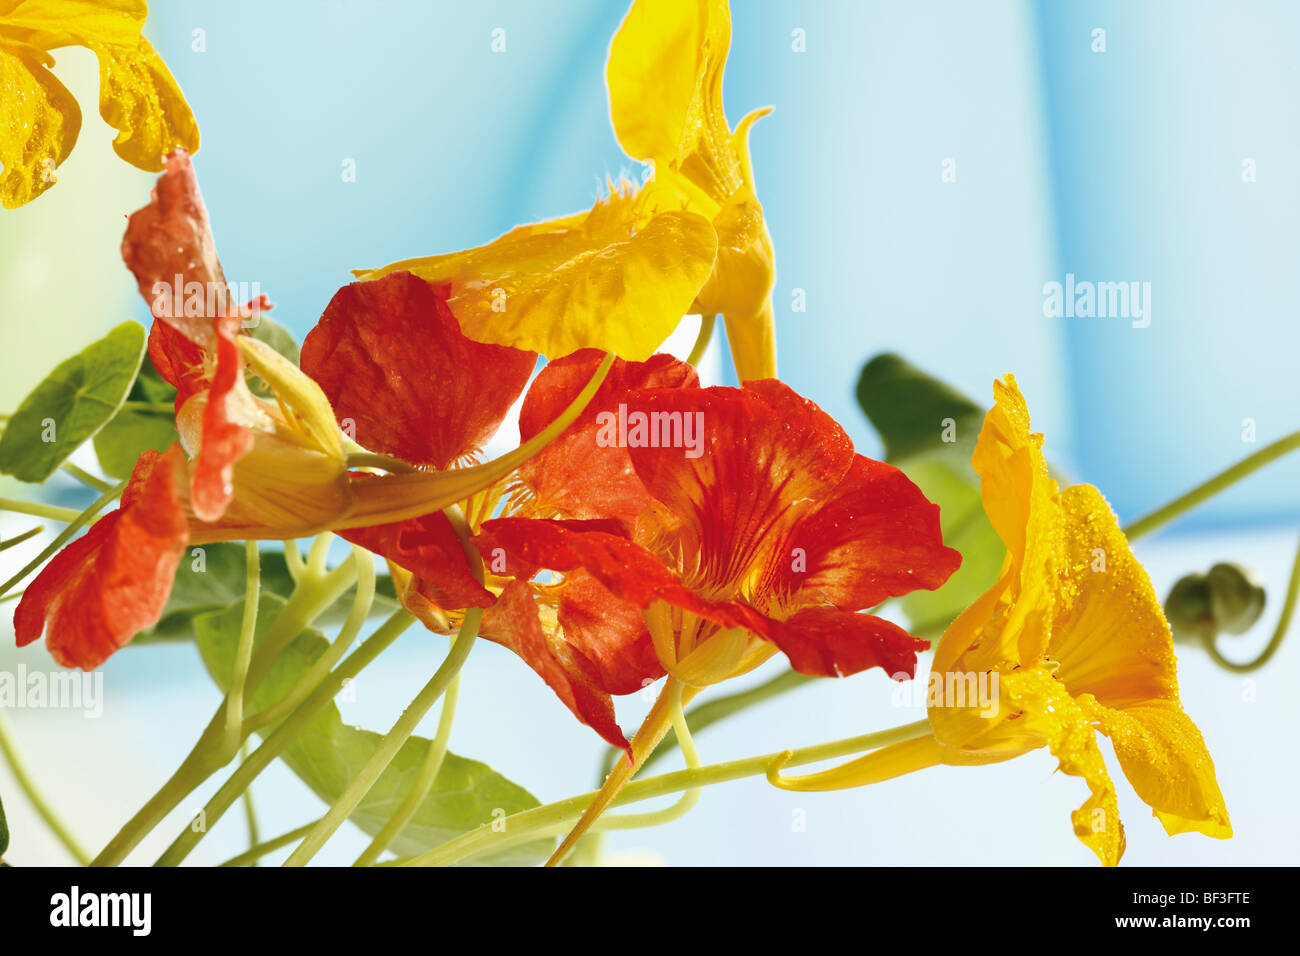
(761, 530)
(40, 119)
(692, 239)
(1077, 643)
(246, 467)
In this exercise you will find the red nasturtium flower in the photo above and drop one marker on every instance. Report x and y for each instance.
(246, 467)
(761, 530)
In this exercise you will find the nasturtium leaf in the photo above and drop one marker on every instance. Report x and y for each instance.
(212, 577)
(71, 404)
(329, 753)
(121, 442)
(929, 431)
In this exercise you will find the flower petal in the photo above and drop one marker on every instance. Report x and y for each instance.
(391, 357)
(618, 278)
(139, 98)
(1165, 759)
(877, 536)
(513, 622)
(39, 123)
(827, 642)
(578, 475)
(429, 548)
(113, 582)
(762, 457)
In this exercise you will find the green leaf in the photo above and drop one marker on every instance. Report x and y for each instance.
(329, 753)
(211, 577)
(71, 404)
(4, 830)
(929, 431)
(132, 431)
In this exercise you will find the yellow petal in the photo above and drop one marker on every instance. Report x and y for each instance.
(1066, 726)
(618, 278)
(1111, 638)
(140, 99)
(39, 123)
(1165, 758)
(54, 23)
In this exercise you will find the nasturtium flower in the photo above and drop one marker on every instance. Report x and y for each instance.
(40, 119)
(396, 368)
(246, 467)
(691, 239)
(665, 75)
(1071, 641)
(760, 530)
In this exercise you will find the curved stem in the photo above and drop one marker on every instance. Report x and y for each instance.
(424, 780)
(17, 539)
(360, 785)
(1279, 632)
(253, 854)
(288, 731)
(530, 824)
(85, 477)
(702, 340)
(244, 649)
(1213, 486)
(28, 787)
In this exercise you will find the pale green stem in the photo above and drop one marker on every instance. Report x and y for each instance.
(433, 759)
(28, 787)
(86, 478)
(250, 811)
(1208, 489)
(64, 536)
(287, 732)
(244, 649)
(293, 559)
(20, 538)
(38, 510)
(360, 785)
(553, 818)
(357, 616)
(253, 854)
(702, 340)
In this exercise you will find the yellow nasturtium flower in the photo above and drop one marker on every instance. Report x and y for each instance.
(40, 119)
(692, 239)
(1069, 641)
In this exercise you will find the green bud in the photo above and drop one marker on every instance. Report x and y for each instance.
(1236, 597)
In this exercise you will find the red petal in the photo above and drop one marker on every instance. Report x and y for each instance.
(513, 622)
(224, 439)
(390, 356)
(877, 536)
(609, 632)
(178, 360)
(113, 582)
(429, 548)
(574, 475)
(170, 241)
(826, 642)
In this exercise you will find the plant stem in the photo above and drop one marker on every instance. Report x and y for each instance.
(1213, 486)
(86, 478)
(38, 510)
(250, 811)
(360, 785)
(64, 536)
(244, 649)
(1279, 632)
(423, 781)
(702, 340)
(253, 854)
(287, 732)
(28, 787)
(556, 817)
